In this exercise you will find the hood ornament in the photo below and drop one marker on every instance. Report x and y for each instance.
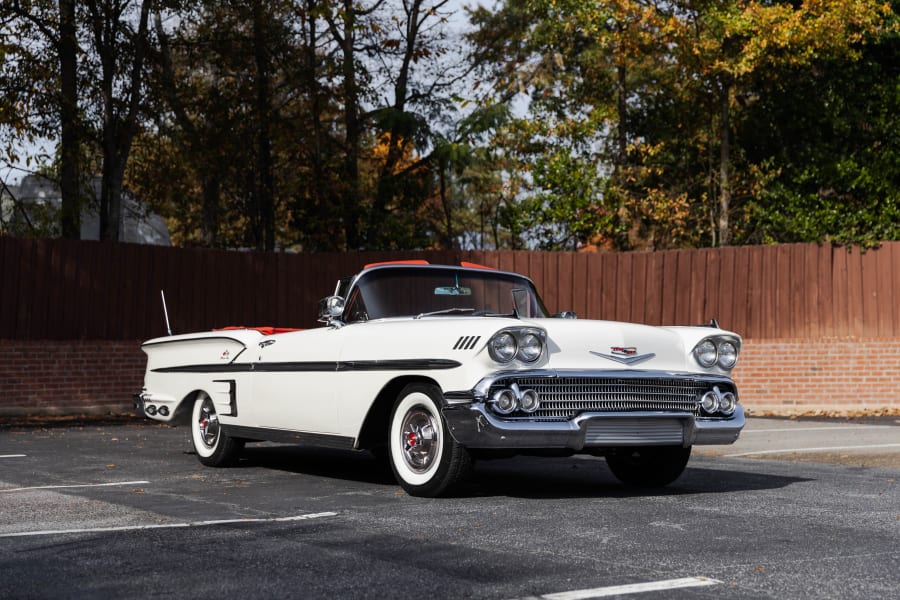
(627, 355)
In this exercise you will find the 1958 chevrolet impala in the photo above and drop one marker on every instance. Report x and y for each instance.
(432, 366)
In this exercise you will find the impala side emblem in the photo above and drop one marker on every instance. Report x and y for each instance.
(625, 355)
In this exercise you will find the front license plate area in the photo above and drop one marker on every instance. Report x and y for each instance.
(634, 432)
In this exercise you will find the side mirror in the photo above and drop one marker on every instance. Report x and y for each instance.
(566, 314)
(330, 308)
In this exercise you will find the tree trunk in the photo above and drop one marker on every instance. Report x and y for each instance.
(118, 130)
(445, 203)
(387, 185)
(69, 143)
(350, 206)
(725, 168)
(621, 108)
(265, 184)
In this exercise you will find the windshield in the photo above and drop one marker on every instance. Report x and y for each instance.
(417, 292)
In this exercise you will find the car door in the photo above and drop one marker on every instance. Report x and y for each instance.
(294, 382)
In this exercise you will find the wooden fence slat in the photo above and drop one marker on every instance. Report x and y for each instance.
(11, 278)
(27, 269)
(623, 289)
(737, 278)
(653, 310)
(810, 288)
(682, 293)
(854, 291)
(711, 286)
(870, 274)
(895, 286)
(701, 289)
(825, 299)
(608, 277)
(886, 297)
(669, 288)
(798, 317)
(638, 286)
(839, 291)
(722, 269)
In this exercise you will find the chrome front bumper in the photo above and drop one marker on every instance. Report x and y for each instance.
(473, 426)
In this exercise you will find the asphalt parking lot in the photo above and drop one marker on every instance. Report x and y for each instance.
(795, 509)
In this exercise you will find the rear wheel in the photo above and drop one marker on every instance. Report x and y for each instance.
(424, 457)
(648, 466)
(213, 446)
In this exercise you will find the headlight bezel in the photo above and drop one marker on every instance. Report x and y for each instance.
(527, 346)
(717, 351)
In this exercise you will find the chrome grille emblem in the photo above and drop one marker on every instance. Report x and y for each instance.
(627, 355)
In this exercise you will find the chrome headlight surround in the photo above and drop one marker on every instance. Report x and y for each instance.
(524, 344)
(719, 350)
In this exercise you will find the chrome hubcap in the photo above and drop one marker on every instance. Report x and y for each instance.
(419, 439)
(208, 424)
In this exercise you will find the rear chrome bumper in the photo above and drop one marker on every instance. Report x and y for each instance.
(154, 406)
(473, 426)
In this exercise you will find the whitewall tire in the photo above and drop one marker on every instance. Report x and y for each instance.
(424, 457)
(213, 446)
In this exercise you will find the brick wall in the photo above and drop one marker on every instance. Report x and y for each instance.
(782, 376)
(39, 377)
(830, 374)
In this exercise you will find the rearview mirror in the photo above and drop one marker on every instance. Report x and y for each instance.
(452, 290)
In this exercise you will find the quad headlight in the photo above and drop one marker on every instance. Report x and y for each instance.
(508, 400)
(716, 401)
(503, 347)
(530, 347)
(525, 344)
(719, 350)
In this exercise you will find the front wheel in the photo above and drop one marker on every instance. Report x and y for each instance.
(213, 446)
(424, 457)
(649, 466)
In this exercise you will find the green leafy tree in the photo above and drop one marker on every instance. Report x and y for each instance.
(670, 90)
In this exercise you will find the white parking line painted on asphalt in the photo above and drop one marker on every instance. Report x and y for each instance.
(793, 430)
(76, 485)
(12, 455)
(632, 588)
(305, 517)
(822, 449)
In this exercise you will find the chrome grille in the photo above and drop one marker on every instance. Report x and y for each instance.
(563, 398)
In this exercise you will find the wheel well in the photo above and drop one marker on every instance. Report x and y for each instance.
(375, 428)
(182, 414)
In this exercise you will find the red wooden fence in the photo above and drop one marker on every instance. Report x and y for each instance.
(59, 289)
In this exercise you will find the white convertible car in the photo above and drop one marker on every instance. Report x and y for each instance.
(432, 366)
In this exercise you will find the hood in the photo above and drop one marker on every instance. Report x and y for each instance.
(588, 344)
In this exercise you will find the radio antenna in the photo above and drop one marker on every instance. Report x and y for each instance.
(165, 311)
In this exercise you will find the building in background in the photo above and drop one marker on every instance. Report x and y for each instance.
(31, 209)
